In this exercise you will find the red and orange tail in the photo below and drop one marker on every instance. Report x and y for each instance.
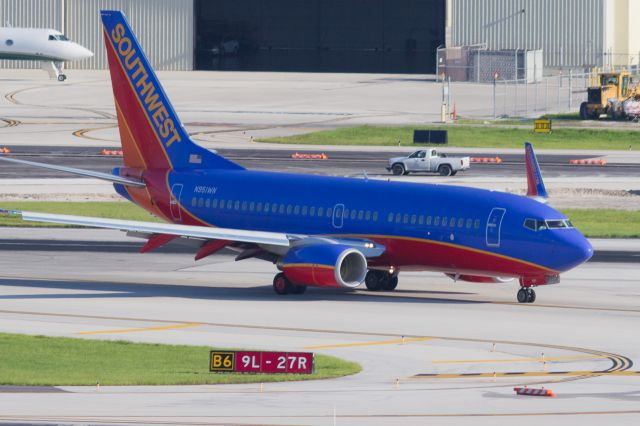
(151, 133)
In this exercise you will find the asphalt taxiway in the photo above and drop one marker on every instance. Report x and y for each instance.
(417, 345)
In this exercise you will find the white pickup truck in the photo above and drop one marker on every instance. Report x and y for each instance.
(428, 160)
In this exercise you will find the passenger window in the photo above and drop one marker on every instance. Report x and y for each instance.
(420, 220)
(353, 214)
(281, 209)
(215, 203)
(429, 220)
(194, 200)
(476, 224)
(259, 206)
(229, 204)
(445, 221)
(320, 211)
(405, 219)
(200, 201)
(436, 221)
(367, 215)
(289, 209)
(460, 223)
(252, 206)
(304, 210)
(237, 205)
(413, 219)
(390, 217)
(296, 210)
(398, 217)
(312, 211)
(345, 213)
(244, 206)
(375, 216)
(360, 214)
(329, 211)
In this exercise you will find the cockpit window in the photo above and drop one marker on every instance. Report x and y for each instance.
(60, 37)
(541, 225)
(535, 225)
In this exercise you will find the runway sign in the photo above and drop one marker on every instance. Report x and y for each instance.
(261, 362)
(542, 126)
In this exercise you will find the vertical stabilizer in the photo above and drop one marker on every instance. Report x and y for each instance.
(151, 133)
(535, 184)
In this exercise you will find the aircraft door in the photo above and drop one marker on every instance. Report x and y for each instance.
(174, 202)
(338, 211)
(494, 223)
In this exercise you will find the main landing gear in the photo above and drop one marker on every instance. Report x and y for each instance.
(282, 285)
(380, 280)
(526, 295)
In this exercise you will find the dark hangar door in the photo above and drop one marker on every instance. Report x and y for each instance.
(377, 36)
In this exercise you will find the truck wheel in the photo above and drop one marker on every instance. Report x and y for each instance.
(398, 169)
(584, 114)
(454, 173)
(445, 170)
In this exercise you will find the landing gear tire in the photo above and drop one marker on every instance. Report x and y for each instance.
(380, 281)
(372, 280)
(445, 170)
(390, 284)
(62, 77)
(522, 295)
(281, 285)
(526, 295)
(531, 295)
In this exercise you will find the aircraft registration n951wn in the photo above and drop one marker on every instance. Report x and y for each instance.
(320, 231)
(50, 47)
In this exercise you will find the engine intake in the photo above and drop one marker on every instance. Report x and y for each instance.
(325, 265)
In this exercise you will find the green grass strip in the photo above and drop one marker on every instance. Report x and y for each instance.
(109, 210)
(60, 361)
(605, 223)
(472, 137)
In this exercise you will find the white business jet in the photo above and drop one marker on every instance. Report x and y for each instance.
(50, 47)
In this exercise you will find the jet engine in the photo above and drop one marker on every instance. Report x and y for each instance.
(478, 278)
(325, 265)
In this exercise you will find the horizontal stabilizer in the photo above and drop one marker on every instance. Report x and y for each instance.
(80, 172)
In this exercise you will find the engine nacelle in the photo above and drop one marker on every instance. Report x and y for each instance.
(478, 278)
(325, 265)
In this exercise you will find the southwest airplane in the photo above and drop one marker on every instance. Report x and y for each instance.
(50, 47)
(320, 231)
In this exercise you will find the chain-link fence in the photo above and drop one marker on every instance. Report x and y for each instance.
(554, 94)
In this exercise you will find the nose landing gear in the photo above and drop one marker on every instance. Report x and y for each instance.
(526, 295)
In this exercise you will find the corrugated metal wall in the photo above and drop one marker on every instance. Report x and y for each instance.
(165, 28)
(571, 32)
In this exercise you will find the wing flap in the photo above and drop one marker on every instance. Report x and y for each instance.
(240, 235)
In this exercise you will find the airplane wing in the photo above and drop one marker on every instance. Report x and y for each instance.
(81, 172)
(150, 229)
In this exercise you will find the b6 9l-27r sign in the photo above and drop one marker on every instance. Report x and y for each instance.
(261, 362)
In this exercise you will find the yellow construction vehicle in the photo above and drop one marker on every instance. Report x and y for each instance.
(616, 95)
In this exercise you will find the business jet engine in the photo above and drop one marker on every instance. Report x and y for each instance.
(325, 265)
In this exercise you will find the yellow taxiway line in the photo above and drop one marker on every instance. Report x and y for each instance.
(540, 359)
(382, 342)
(136, 330)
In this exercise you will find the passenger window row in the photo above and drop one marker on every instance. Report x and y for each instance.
(279, 208)
(451, 222)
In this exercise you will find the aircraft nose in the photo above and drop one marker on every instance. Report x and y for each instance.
(80, 52)
(577, 251)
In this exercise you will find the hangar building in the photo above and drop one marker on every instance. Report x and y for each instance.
(399, 36)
